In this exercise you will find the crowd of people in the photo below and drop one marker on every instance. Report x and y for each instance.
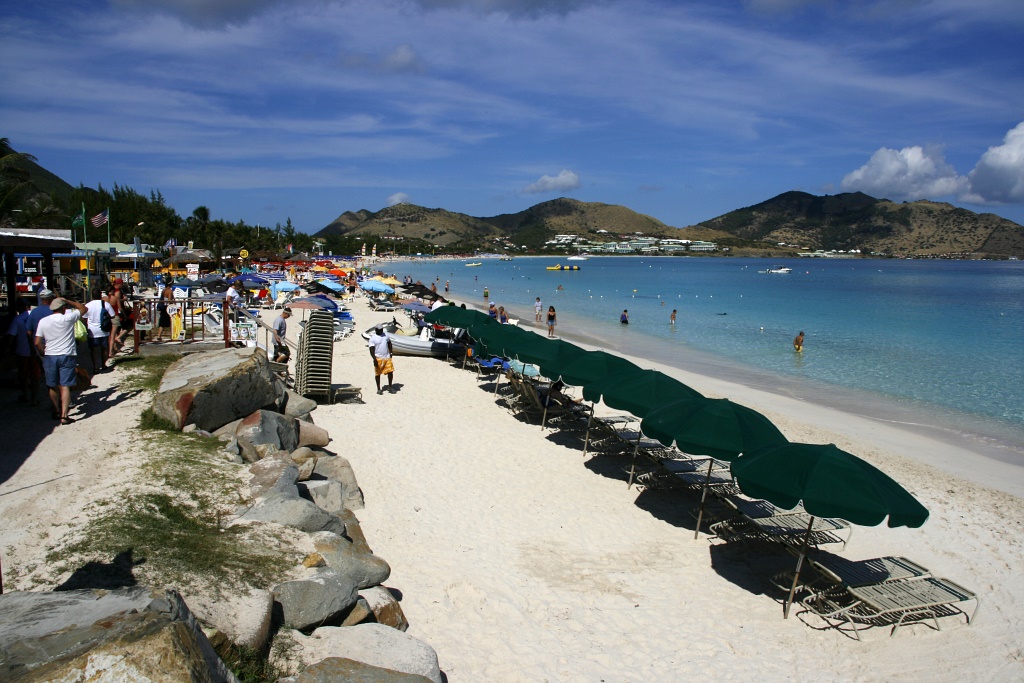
(61, 343)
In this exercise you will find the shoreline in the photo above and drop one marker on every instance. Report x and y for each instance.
(995, 464)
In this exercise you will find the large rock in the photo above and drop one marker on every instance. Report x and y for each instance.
(326, 493)
(290, 510)
(311, 435)
(386, 609)
(267, 428)
(297, 406)
(315, 599)
(372, 644)
(340, 554)
(273, 475)
(243, 617)
(336, 669)
(130, 634)
(338, 468)
(213, 388)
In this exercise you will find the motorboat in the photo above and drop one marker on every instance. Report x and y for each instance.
(779, 269)
(561, 267)
(426, 343)
(578, 257)
(470, 265)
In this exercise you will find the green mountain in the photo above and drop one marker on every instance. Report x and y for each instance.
(531, 227)
(857, 221)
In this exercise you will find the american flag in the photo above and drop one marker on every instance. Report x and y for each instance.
(100, 218)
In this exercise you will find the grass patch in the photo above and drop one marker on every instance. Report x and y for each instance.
(145, 372)
(249, 665)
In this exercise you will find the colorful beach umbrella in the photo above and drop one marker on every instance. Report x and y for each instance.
(830, 483)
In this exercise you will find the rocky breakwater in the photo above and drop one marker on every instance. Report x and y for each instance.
(333, 620)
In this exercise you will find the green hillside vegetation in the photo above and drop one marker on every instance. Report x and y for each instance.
(857, 221)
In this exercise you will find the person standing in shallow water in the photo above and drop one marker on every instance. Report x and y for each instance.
(672, 318)
(798, 343)
(552, 319)
(624, 318)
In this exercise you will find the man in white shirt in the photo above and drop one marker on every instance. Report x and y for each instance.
(233, 300)
(438, 303)
(99, 347)
(55, 341)
(380, 352)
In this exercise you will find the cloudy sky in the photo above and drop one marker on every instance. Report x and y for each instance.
(268, 109)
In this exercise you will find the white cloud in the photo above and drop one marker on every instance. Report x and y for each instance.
(398, 198)
(566, 180)
(999, 174)
(910, 173)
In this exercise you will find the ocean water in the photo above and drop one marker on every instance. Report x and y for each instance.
(934, 344)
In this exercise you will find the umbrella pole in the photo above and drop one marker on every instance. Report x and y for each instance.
(703, 497)
(636, 449)
(586, 439)
(796, 574)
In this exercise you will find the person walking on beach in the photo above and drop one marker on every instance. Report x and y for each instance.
(380, 352)
(163, 318)
(537, 310)
(672, 318)
(798, 343)
(281, 352)
(20, 345)
(55, 342)
(99, 315)
(502, 315)
(552, 319)
(624, 318)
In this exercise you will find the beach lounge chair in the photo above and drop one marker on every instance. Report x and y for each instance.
(892, 603)
(835, 571)
(282, 300)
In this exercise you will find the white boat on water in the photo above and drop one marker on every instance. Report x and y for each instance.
(778, 269)
(577, 258)
(470, 265)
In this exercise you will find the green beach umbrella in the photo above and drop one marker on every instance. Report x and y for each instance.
(637, 392)
(559, 357)
(710, 426)
(592, 366)
(831, 483)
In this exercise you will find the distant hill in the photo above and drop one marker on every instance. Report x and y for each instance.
(531, 227)
(858, 221)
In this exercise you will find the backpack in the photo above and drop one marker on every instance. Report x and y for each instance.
(105, 324)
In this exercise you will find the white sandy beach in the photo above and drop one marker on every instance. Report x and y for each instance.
(519, 560)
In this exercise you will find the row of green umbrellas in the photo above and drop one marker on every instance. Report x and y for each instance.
(828, 481)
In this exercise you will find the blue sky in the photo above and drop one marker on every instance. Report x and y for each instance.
(268, 109)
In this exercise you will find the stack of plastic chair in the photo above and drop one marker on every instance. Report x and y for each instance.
(316, 347)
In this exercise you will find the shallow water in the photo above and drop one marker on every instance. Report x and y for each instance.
(933, 343)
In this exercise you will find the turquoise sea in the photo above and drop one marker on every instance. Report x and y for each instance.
(935, 345)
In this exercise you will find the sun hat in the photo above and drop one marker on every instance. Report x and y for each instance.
(57, 304)
(45, 293)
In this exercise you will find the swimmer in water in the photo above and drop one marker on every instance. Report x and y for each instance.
(798, 343)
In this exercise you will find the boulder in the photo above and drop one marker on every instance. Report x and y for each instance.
(213, 388)
(273, 475)
(304, 453)
(306, 470)
(338, 468)
(266, 427)
(372, 644)
(354, 530)
(297, 406)
(386, 609)
(243, 617)
(311, 435)
(334, 669)
(325, 493)
(290, 510)
(315, 599)
(365, 569)
(359, 613)
(129, 634)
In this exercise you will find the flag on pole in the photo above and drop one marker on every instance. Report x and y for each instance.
(171, 243)
(79, 220)
(290, 250)
(100, 218)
